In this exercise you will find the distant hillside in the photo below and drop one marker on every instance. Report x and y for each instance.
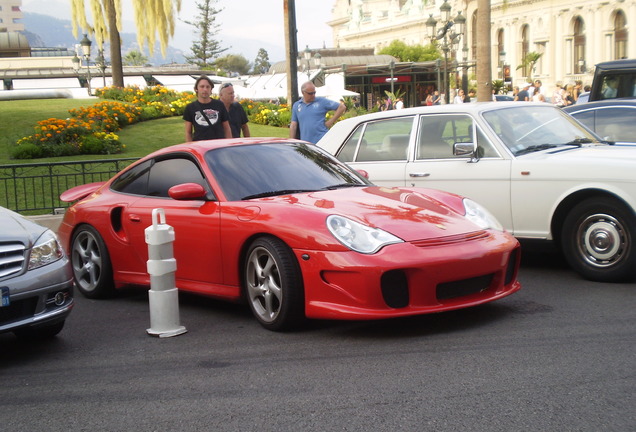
(47, 31)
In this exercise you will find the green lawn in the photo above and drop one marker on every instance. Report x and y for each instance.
(17, 119)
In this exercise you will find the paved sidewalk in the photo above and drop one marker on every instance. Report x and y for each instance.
(50, 221)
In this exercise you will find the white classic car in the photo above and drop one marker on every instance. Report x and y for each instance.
(541, 173)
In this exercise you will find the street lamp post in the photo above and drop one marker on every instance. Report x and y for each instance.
(100, 62)
(448, 37)
(306, 65)
(85, 44)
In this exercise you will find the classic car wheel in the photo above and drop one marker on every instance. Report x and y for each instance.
(91, 263)
(273, 284)
(598, 240)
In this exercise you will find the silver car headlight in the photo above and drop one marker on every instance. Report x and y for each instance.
(359, 237)
(46, 250)
(478, 214)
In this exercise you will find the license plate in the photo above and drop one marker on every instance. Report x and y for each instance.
(5, 297)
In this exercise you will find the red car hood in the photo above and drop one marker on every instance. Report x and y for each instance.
(407, 213)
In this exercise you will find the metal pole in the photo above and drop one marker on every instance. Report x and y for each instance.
(292, 49)
(446, 78)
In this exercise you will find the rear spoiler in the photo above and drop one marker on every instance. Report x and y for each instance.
(79, 192)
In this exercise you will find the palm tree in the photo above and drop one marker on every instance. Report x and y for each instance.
(528, 62)
(484, 68)
(152, 18)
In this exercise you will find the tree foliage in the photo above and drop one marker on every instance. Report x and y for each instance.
(528, 62)
(233, 64)
(152, 18)
(135, 58)
(411, 53)
(261, 63)
(205, 48)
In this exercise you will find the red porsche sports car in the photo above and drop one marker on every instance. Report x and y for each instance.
(292, 231)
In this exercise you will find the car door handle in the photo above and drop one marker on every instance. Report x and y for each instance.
(419, 174)
(134, 218)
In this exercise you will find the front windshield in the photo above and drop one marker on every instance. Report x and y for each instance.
(259, 170)
(525, 129)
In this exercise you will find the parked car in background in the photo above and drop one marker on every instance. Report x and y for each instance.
(503, 98)
(292, 231)
(612, 119)
(539, 171)
(614, 79)
(36, 280)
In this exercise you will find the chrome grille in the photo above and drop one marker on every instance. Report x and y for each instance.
(12, 258)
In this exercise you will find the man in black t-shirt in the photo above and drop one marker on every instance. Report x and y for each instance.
(206, 118)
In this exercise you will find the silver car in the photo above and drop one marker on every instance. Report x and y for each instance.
(36, 279)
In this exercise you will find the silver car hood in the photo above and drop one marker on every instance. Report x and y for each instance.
(15, 228)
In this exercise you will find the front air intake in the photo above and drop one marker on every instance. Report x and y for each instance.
(395, 289)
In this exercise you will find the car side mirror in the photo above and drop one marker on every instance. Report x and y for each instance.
(363, 173)
(187, 191)
(463, 149)
(468, 149)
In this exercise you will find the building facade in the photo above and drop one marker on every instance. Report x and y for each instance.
(11, 16)
(570, 36)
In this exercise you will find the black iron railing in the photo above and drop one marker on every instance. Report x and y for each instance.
(35, 188)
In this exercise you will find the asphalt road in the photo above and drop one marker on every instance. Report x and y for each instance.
(556, 356)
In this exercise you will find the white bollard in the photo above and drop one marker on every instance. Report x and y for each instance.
(163, 295)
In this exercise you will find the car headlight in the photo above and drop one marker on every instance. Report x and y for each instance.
(46, 250)
(480, 216)
(359, 237)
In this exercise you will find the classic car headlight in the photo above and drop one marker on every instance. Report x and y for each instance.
(358, 237)
(46, 250)
(480, 216)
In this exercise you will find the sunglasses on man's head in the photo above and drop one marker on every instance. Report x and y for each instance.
(226, 85)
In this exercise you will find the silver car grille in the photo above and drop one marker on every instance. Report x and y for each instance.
(12, 258)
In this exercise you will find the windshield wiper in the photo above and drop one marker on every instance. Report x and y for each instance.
(535, 148)
(276, 193)
(579, 141)
(343, 185)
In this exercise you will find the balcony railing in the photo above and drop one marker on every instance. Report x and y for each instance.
(35, 188)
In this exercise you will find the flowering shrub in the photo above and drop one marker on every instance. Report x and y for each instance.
(90, 130)
(267, 113)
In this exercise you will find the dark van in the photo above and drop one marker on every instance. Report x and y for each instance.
(614, 79)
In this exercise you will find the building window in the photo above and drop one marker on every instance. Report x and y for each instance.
(525, 49)
(620, 35)
(579, 45)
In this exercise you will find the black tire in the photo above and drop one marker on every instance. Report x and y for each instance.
(91, 263)
(598, 240)
(273, 284)
(40, 333)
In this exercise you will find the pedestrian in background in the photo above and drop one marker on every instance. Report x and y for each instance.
(205, 118)
(308, 114)
(235, 111)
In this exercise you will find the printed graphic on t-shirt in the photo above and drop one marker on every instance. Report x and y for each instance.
(212, 115)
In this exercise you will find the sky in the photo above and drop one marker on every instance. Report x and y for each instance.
(246, 25)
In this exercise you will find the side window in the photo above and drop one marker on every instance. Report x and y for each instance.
(586, 118)
(379, 141)
(170, 172)
(619, 85)
(616, 124)
(134, 181)
(439, 133)
(386, 140)
(348, 151)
